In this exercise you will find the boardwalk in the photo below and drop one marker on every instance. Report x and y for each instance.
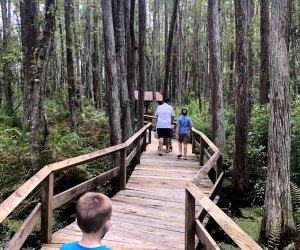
(149, 214)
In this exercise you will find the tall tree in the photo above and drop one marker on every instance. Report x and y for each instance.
(131, 52)
(240, 177)
(169, 48)
(87, 51)
(70, 64)
(97, 88)
(278, 203)
(7, 65)
(126, 122)
(264, 52)
(195, 68)
(29, 34)
(34, 70)
(217, 107)
(154, 49)
(111, 73)
(142, 41)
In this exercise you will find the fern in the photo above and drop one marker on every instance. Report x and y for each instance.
(295, 191)
(274, 240)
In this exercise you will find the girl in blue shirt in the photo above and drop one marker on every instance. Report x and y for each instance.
(184, 124)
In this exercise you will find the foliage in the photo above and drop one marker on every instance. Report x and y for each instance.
(249, 222)
(257, 151)
(15, 159)
(274, 240)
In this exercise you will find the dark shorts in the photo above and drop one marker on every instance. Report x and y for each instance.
(185, 138)
(164, 132)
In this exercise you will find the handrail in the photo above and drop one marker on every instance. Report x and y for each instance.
(49, 201)
(193, 223)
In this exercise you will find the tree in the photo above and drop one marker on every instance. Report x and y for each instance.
(217, 107)
(195, 56)
(70, 65)
(119, 26)
(278, 203)
(240, 164)
(169, 47)
(264, 54)
(29, 34)
(97, 88)
(131, 52)
(34, 90)
(154, 49)
(111, 72)
(7, 65)
(142, 41)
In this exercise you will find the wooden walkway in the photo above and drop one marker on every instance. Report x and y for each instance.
(150, 213)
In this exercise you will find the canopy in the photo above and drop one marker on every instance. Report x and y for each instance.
(148, 96)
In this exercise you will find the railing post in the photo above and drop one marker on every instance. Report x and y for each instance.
(138, 150)
(193, 141)
(144, 146)
(46, 210)
(189, 221)
(219, 166)
(123, 172)
(202, 152)
(149, 133)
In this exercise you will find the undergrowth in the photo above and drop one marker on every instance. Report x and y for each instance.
(15, 161)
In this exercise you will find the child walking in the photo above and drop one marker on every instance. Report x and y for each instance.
(184, 124)
(93, 211)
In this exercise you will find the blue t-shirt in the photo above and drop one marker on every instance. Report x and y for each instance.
(76, 246)
(184, 124)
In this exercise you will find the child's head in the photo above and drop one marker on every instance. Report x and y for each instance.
(184, 111)
(94, 212)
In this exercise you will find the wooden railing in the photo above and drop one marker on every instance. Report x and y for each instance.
(49, 201)
(211, 160)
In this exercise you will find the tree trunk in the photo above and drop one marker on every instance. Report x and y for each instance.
(278, 202)
(195, 55)
(97, 89)
(111, 74)
(217, 107)
(29, 34)
(126, 122)
(166, 8)
(34, 69)
(142, 41)
(62, 78)
(88, 49)
(154, 49)
(78, 82)
(169, 48)
(264, 54)
(240, 177)
(251, 55)
(7, 65)
(70, 64)
(131, 51)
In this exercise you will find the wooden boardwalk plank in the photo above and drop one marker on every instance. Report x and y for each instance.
(149, 214)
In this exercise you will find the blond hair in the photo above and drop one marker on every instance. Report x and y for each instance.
(93, 211)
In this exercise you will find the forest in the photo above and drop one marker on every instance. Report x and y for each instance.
(69, 69)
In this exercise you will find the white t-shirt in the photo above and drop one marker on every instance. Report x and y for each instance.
(164, 115)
